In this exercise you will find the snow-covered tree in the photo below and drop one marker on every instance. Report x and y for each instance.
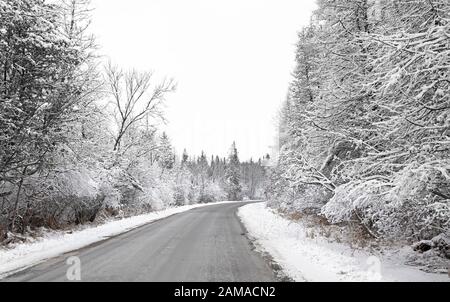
(166, 155)
(233, 175)
(253, 175)
(367, 116)
(45, 79)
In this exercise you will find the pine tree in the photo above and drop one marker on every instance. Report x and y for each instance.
(166, 156)
(233, 175)
(44, 75)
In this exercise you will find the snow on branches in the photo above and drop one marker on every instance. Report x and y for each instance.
(368, 115)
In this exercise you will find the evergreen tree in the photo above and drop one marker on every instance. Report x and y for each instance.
(202, 169)
(233, 175)
(166, 156)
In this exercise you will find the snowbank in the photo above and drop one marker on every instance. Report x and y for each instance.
(58, 243)
(316, 259)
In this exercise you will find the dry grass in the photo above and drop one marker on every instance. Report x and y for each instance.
(353, 234)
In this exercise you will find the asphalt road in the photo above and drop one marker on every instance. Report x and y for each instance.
(206, 245)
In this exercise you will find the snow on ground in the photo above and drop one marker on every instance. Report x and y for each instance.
(305, 259)
(57, 243)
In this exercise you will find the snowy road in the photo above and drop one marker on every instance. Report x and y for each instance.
(204, 244)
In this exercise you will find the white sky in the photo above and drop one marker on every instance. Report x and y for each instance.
(232, 60)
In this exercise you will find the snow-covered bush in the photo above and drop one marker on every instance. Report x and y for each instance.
(213, 192)
(295, 185)
(59, 198)
(111, 194)
(406, 208)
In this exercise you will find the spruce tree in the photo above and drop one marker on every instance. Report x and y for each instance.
(166, 154)
(233, 175)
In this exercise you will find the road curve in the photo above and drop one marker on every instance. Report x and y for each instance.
(207, 244)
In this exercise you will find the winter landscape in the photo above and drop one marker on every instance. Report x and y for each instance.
(225, 141)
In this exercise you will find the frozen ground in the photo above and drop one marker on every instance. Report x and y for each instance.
(316, 259)
(53, 244)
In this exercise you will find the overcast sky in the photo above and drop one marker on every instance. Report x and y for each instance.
(232, 60)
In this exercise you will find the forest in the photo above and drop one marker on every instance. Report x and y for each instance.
(364, 133)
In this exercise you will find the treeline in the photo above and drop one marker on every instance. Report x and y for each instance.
(207, 180)
(365, 130)
(79, 141)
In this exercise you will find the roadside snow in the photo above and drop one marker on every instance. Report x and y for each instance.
(57, 243)
(306, 259)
